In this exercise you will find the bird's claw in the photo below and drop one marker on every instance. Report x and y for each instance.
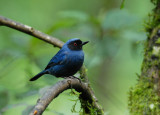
(73, 77)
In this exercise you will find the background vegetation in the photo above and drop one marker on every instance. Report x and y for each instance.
(113, 56)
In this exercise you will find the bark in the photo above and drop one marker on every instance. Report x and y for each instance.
(144, 98)
(58, 88)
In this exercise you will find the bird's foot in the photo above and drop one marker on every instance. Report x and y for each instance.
(69, 82)
(73, 77)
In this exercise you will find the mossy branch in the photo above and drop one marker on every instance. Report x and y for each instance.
(144, 98)
(58, 88)
(88, 103)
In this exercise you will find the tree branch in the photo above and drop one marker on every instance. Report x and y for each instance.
(57, 89)
(31, 31)
(87, 98)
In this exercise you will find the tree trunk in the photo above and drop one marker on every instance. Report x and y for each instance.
(144, 97)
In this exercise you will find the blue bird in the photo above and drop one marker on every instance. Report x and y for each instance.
(67, 61)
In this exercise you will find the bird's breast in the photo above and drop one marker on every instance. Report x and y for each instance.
(72, 64)
(76, 59)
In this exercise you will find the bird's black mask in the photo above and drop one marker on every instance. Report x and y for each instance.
(76, 45)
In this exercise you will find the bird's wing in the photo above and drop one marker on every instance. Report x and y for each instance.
(58, 59)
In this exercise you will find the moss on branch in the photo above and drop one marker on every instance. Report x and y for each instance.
(144, 98)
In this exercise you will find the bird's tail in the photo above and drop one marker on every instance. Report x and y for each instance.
(38, 75)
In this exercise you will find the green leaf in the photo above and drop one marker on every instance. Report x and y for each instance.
(122, 4)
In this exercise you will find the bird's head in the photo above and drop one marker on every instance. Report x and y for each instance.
(75, 44)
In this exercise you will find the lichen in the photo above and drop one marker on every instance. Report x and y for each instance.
(89, 109)
(144, 97)
(143, 100)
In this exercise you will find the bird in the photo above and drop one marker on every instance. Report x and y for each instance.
(68, 60)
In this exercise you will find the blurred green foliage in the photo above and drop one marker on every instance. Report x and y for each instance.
(113, 56)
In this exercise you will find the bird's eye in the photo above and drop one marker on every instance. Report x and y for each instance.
(75, 44)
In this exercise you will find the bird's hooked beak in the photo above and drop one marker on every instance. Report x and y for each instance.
(83, 43)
